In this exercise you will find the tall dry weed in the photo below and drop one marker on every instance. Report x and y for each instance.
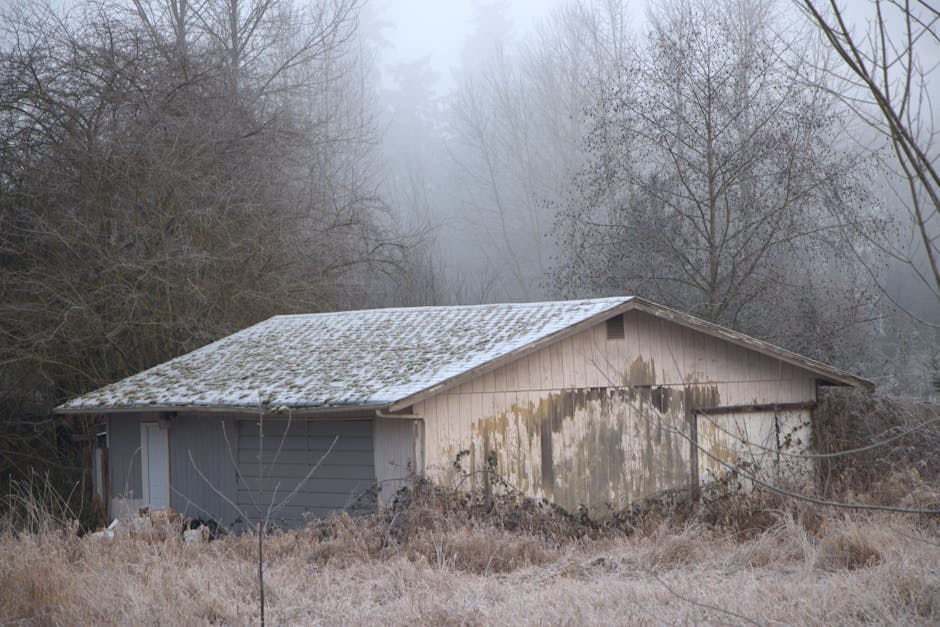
(481, 550)
(35, 570)
(460, 559)
(785, 543)
(905, 461)
(847, 546)
(666, 549)
(464, 574)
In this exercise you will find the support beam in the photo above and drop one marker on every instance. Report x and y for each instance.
(751, 409)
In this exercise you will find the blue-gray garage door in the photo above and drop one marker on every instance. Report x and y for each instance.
(272, 467)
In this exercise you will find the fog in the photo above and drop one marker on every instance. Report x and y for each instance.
(408, 30)
(487, 109)
(172, 172)
(254, 157)
(427, 57)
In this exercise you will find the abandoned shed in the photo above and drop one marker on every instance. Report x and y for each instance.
(591, 403)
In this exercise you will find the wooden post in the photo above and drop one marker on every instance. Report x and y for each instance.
(692, 418)
(261, 567)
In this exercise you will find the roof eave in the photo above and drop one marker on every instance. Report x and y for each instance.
(296, 412)
(513, 355)
(825, 372)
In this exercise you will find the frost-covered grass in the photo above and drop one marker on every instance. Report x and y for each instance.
(431, 567)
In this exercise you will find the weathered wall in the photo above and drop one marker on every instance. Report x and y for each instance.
(189, 493)
(198, 496)
(124, 462)
(595, 421)
(766, 443)
(398, 454)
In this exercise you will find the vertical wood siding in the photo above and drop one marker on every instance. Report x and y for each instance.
(396, 459)
(124, 454)
(204, 436)
(598, 422)
(275, 470)
(124, 463)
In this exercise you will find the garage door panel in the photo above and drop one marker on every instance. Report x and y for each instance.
(316, 482)
(291, 483)
(305, 456)
(250, 468)
(351, 428)
(325, 429)
(303, 442)
(337, 499)
(345, 474)
(248, 464)
(273, 429)
(311, 484)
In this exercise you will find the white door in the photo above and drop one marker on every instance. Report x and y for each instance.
(155, 464)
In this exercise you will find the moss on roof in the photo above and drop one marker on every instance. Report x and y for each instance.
(365, 357)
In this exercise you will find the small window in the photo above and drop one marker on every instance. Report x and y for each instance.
(615, 328)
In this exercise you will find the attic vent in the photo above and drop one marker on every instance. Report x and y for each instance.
(615, 328)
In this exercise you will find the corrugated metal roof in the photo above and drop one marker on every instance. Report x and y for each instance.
(371, 357)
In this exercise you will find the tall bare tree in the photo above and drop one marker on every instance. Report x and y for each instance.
(170, 172)
(713, 173)
(884, 74)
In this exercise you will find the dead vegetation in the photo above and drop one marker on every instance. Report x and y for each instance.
(880, 451)
(440, 556)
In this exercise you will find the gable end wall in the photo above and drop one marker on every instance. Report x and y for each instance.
(598, 422)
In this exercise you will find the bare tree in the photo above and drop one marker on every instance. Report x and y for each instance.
(713, 173)
(171, 172)
(883, 75)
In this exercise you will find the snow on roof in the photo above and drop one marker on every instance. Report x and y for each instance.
(365, 357)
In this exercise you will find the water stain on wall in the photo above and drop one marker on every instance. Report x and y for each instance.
(600, 447)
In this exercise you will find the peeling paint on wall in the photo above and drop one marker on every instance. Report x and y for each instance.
(597, 447)
(600, 423)
(759, 443)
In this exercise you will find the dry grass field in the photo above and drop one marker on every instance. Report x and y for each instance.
(446, 557)
(445, 561)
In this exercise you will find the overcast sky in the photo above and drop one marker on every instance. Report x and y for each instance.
(439, 28)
